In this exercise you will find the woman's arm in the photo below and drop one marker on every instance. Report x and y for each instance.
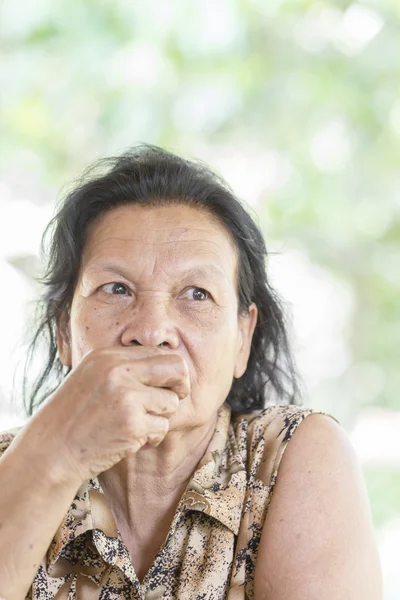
(318, 539)
(34, 497)
(97, 416)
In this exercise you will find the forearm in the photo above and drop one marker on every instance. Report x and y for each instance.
(33, 501)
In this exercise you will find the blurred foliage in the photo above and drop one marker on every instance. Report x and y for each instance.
(383, 486)
(306, 89)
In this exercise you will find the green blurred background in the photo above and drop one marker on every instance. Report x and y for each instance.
(297, 104)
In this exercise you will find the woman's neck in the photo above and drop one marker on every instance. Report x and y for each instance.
(153, 479)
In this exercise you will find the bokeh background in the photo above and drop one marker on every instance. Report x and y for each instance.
(297, 104)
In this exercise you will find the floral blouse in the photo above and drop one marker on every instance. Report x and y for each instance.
(210, 551)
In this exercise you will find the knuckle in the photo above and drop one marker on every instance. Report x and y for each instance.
(163, 425)
(163, 403)
(113, 374)
(180, 367)
(98, 361)
(173, 403)
(132, 424)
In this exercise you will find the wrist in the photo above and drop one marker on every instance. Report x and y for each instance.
(42, 460)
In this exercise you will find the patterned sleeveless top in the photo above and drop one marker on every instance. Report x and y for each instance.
(210, 551)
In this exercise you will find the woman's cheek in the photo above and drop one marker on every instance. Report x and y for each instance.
(210, 346)
(91, 328)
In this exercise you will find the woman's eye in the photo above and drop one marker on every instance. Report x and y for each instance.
(119, 289)
(198, 294)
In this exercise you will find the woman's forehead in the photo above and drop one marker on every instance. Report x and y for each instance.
(177, 234)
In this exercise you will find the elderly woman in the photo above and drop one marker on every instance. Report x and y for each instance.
(169, 457)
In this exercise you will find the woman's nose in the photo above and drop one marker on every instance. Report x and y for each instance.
(151, 325)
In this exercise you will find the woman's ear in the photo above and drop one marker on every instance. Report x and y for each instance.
(63, 340)
(247, 324)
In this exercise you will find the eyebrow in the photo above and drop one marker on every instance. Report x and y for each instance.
(203, 270)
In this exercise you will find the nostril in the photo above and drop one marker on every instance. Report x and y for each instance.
(136, 343)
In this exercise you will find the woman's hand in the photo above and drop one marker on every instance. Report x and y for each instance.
(113, 403)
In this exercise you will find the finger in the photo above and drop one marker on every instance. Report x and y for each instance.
(164, 371)
(162, 402)
(137, 352)
(158, 428)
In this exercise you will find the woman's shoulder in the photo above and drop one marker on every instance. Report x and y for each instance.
(320, 501)
(278, 420)
(268, 433)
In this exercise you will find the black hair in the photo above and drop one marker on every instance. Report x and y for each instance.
(150, 176)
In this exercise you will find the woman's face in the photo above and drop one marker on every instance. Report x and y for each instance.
(163, 276)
